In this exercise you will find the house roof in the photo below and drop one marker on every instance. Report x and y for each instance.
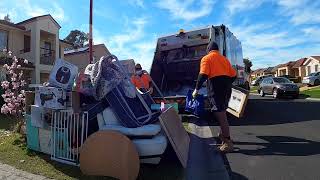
(257, 71)
(268, 69)
(288, 64)
(81, 50)
(316, 57)
(66, 42)
(274, 69)
(12, 25)
(37, 17)
(299, 63)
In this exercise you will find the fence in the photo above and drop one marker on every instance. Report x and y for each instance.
(69, 131)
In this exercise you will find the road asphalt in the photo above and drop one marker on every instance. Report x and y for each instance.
(276, 139)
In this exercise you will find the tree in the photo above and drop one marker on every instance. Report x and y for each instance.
(7, 18)
(247, 65)
(78, 38)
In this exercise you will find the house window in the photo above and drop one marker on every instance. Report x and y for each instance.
(27, 43)
(316, 68)
(3, 39)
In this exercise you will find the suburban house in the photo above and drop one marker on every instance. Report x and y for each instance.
(80, 56)
(312, 64)
(37, 40)
(298, 69)
(285, 69)
(261, 72)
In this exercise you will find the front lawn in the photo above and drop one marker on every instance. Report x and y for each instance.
(254, 89)
(312, 93)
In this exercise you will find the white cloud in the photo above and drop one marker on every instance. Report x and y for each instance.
(267, 46)
(138, 3)
(22, 9)
(235, 6)
(186, 10)
(301, 11)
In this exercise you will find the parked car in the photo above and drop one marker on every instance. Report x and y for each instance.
(292, 78)
(278, 86)
(313, 79)
(259, 79)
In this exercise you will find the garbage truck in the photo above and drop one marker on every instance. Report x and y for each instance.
(177, 57)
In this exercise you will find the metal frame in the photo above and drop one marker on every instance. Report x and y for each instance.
(69, 131)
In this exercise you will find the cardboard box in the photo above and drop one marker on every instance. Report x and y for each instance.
(238, 101)
(50, 97)
(32, 135)
(63, 74)
(45, 141)
(176, 133)
(41, 117)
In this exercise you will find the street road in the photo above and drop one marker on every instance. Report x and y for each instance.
(276, 139)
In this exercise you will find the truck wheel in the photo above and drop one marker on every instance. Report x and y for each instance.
(317, 82)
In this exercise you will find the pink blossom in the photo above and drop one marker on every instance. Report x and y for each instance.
(19, 66)
(26, 61)
(4, 50)
(10, 53)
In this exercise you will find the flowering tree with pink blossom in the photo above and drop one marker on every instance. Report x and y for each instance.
(13, 86)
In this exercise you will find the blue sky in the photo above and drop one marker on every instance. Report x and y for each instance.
(271, 31)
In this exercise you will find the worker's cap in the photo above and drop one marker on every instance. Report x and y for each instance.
(212, 46)
(138, 67)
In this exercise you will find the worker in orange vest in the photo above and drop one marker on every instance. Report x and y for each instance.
(142, 80)
(218, 72)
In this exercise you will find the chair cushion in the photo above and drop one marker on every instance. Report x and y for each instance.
(110, 118)
(147, 130)
(151, 147)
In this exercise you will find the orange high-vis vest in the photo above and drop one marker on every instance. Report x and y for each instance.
(141, 82)
(214, 65)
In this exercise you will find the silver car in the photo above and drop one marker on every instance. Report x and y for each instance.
(278, 86)
(313, 79)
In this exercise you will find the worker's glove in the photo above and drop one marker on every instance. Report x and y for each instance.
(195, 93)
(151, 90)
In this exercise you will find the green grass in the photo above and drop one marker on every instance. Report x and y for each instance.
(254, 89)
(13, 151)
(312, 93)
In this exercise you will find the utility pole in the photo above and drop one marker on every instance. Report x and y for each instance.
(90, 33)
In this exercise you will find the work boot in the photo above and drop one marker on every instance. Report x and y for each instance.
(227, 146)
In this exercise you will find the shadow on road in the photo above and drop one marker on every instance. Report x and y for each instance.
(281, 146)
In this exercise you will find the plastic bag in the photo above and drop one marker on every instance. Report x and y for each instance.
(194, 106)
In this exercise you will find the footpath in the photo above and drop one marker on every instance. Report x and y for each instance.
(8, 172)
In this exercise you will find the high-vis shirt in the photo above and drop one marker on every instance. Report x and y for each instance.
(214, 65)
(142, 81)
(220, 76)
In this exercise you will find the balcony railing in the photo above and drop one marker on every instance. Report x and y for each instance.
(47, 56)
